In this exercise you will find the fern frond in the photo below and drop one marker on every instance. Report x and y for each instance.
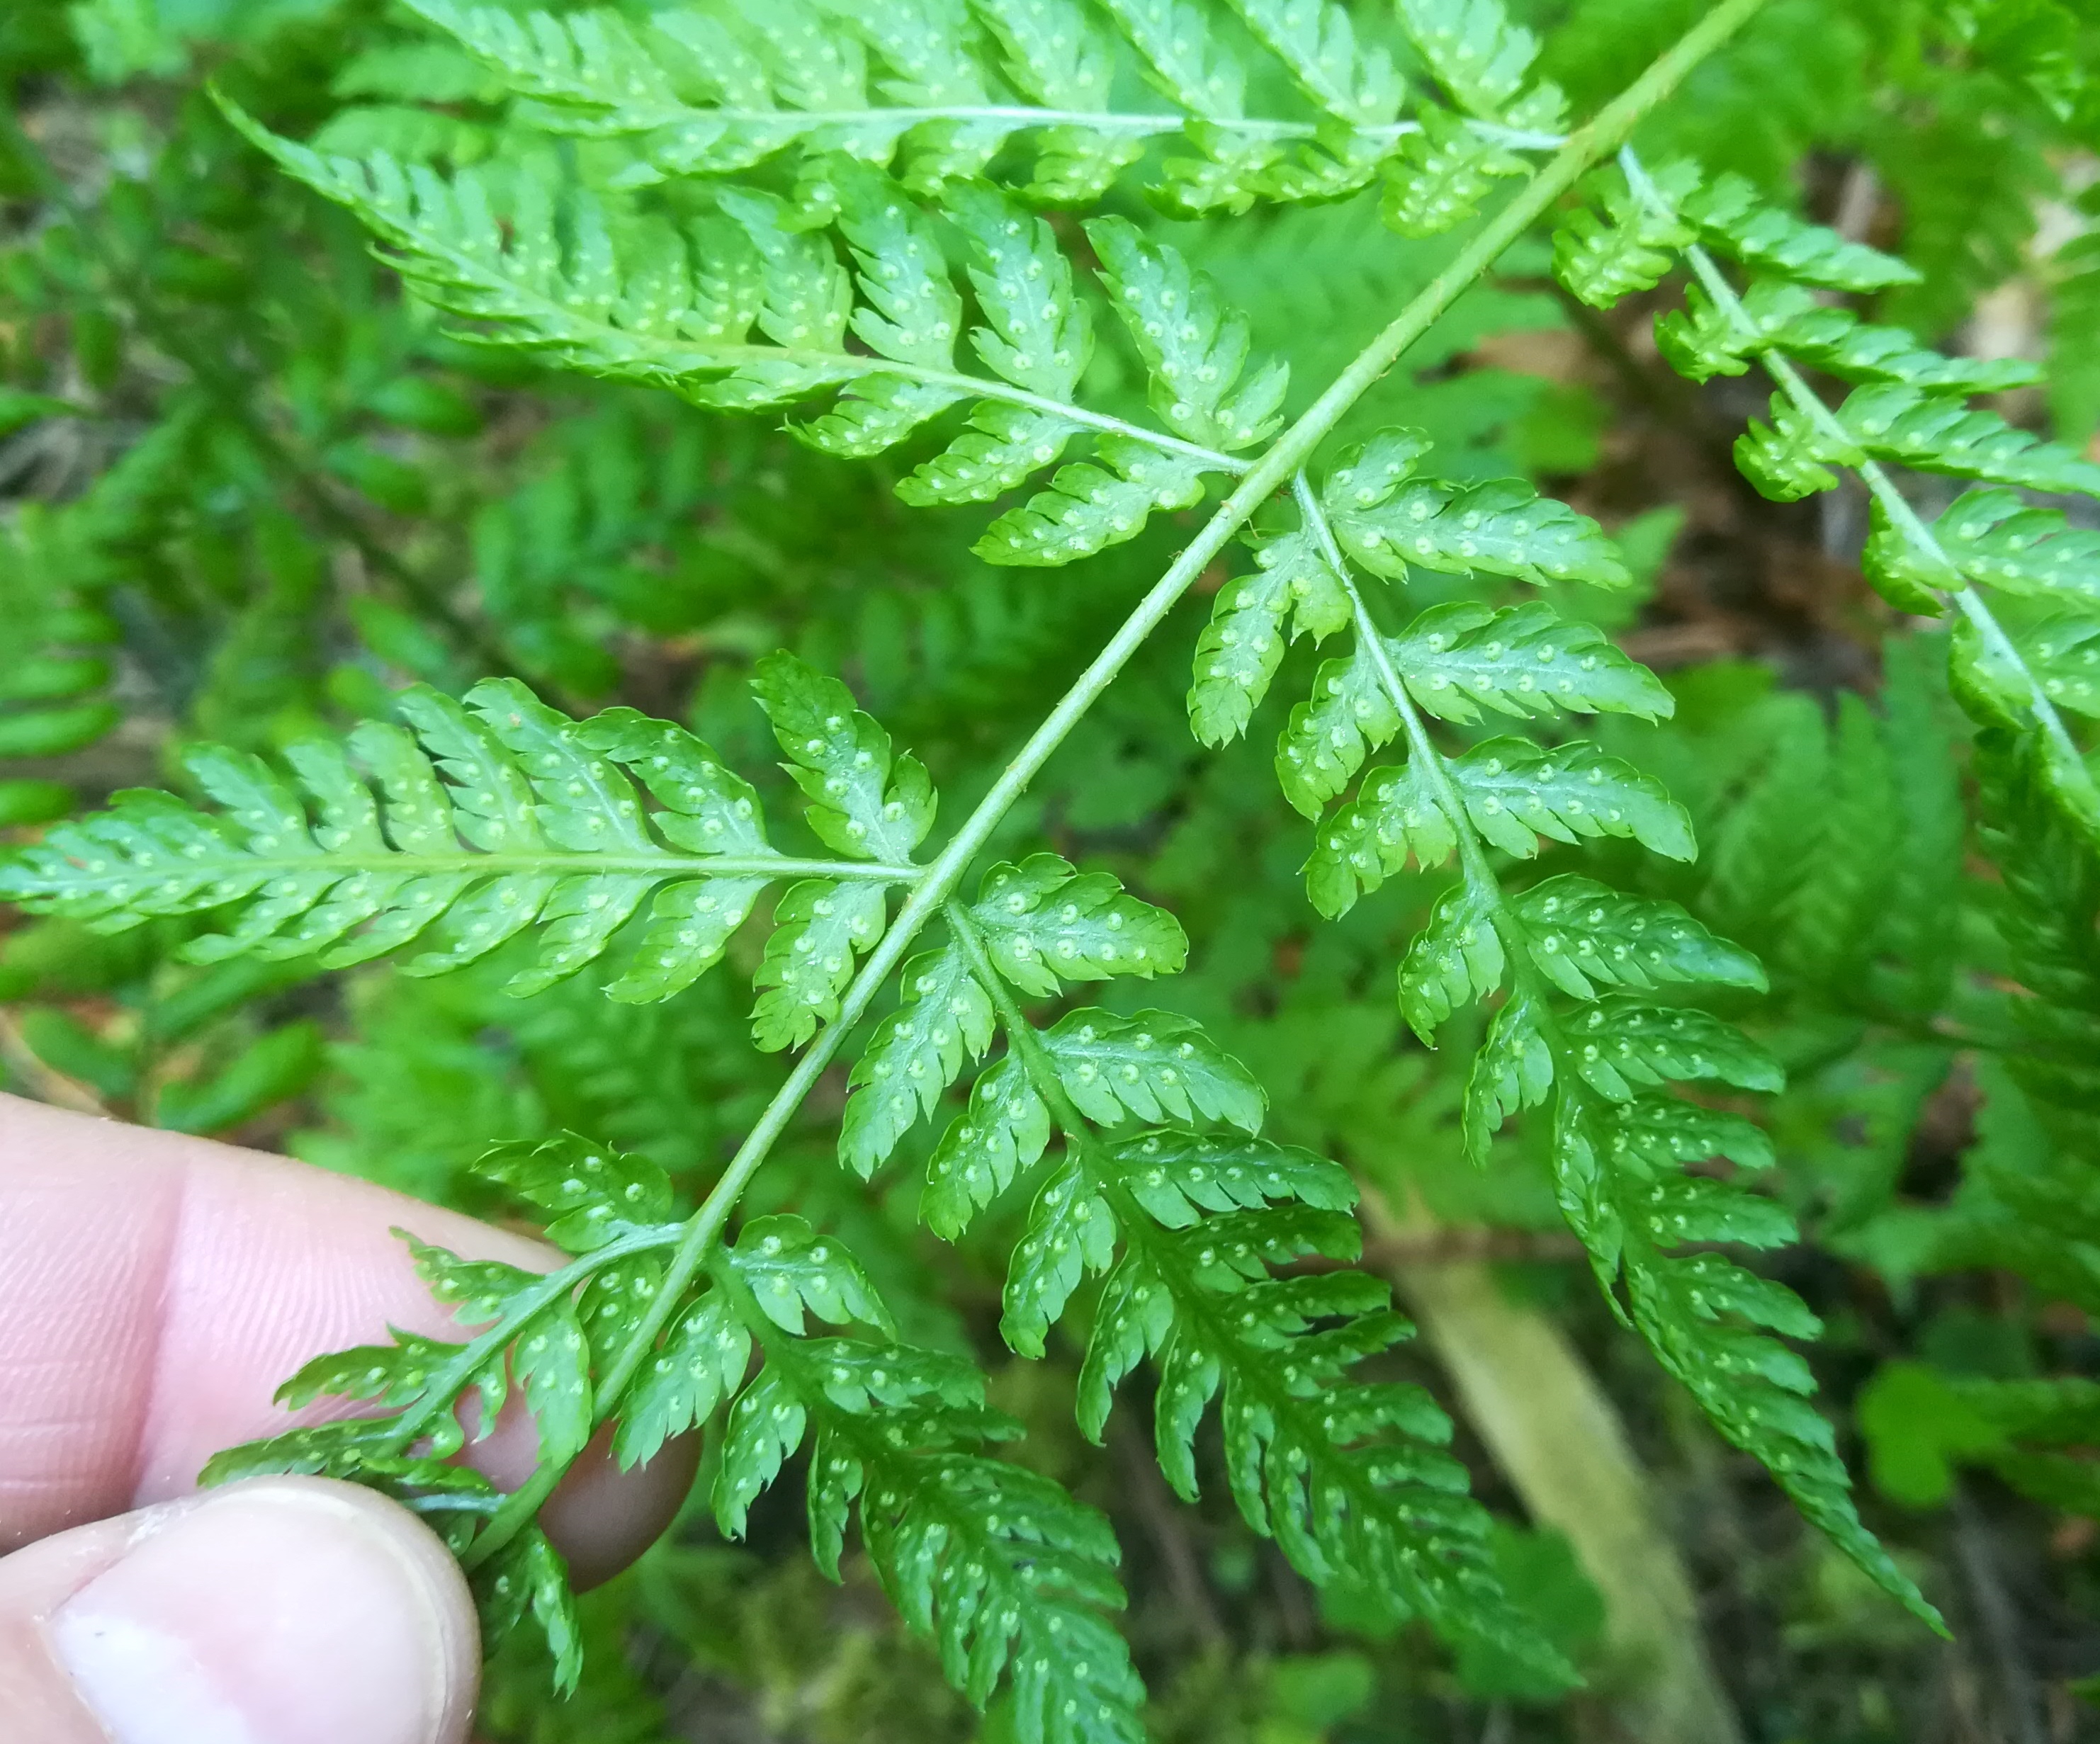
(641, 299)
(1731, 217)
(1914, 421)
(495, 818)
(1002, 1569)
(1462, 658)
(999, 1566)
(1621, 1189)
(1347, 1476)
(1909, 428)
(1243, 644)
(922, 85)
(1703, 340)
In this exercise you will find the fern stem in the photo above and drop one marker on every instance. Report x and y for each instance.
(1586, 147)
(983, 387)
(661, 865)
(446, 1385)
(1811, 405)
(1020, 1034)
(1020, 116)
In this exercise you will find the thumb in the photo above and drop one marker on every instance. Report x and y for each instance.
(283, 1610)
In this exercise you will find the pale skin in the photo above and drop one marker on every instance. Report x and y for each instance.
(154, 1291)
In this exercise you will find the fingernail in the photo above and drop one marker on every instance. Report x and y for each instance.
(281, 1611)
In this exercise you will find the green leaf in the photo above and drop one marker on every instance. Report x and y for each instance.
(1346, 1476)
(1937, 435)
(1660, 1131)
(1045, 924)
(1513, 1070)
(595, 1193)
(701, 1363)
(690, 928)
(1989, 680)
(914, 1055)
(66, 1045)
(1681, 1209)
(529, 1577)
(1006, 1129)
(1195, 351)
(1242, 646)
(1456, 959)
(1071, 1233)
(2062, 655)
(1619, 1042)
(55, 731)
(1184, 58)
(1178, 1176)
(394, 1375)
(788, 1267)
(1387, 522)
(1442, 175)
(1993, 537)
(1630, 249)
(1153, 1065)
(1731, 216)
(765, 1426)
(876, 412)
(618, 1298)
(862, 802)
(1480, 58)
(1037, 335)
(478, 1292)
(1459, 658)
(552, 1362)
(1703, 340)
(280, 1065)
(1784, 460)
(1512, 788)
(1700, 1313)
(1918, 1428)
(1326, 739)
(1582, 934)
(820, 928)
(1909, 574)
(1004, 447)
(1087, 508)
(534, 825)
(1370, 839)
(909, 310)
(1317, 43)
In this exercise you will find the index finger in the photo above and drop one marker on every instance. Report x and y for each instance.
(156, 1289)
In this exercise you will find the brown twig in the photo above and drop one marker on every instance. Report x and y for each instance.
(2000, 1624)
(49, 1085)
(1167, 1525)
